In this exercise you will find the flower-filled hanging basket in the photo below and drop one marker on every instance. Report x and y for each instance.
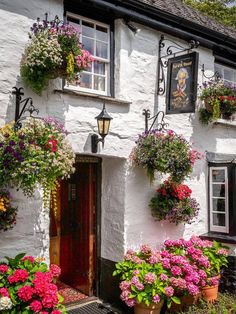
(37, 154)
(173, 203)
(54, 51)
(165, 152)
(7, 211)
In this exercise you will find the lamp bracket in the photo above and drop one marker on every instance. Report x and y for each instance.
(27, 106)
(164, 53)
(95, 139)
(159, 117)
(216, 76)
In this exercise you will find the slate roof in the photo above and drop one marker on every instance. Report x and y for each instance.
(177, 8)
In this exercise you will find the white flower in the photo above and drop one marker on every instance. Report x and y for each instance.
(5, 303)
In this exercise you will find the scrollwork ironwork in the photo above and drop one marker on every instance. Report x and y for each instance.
(159, 117)
(216, 76)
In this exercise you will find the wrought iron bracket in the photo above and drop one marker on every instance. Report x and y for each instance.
(159, 117)
(27, 106)
(164, 53)
(95, 139)
(216, 76)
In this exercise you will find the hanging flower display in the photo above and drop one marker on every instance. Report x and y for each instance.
(54, 51)
(38, 153)
(167, 153)
(219, 101)
(7, 212)
(173, 203)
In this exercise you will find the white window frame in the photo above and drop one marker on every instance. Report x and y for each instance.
(106, 61)
(222, 68)
(223, 229)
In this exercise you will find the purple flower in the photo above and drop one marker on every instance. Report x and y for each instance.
(12, 143)
(1, 144)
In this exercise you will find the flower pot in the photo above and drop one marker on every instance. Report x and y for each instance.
(186, 301)
(153, 308)
(210, 293)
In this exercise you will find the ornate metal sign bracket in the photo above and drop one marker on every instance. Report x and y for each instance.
(159, 117)
(27, 106)
(164, 53)
(216, 76)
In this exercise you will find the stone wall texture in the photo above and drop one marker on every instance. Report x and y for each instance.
(126, 191)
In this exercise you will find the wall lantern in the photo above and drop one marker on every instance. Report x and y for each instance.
(103, 121)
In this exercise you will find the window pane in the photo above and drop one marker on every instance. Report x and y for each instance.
(228, 75)
(88, 29)
(218, 190)
(99, 83)
(102, 33)
(86, 80)
(88, 44)
(99, 67)
(218, 175)
(218, 205)
(219, 220)
(101, 50)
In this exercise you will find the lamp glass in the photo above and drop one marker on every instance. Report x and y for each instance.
(103, 126)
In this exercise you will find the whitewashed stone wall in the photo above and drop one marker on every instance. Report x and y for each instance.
(126, 217)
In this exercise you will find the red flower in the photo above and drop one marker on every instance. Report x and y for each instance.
(55, 270)
(36, 306)
(25, 293)
(18, 275)
(28, 258)
(3, 268)
(4, 292)
(52, 144)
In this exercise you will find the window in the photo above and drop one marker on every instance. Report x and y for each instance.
(95, 37)
(219, 199)
(227, 73)
(222, 197)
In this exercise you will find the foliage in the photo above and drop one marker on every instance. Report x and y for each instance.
(173, 203)
(225, 304)
(166, 153)
(7, 212)
(38, 153)
(26, 287)
(216, 9)
(206, 255)
(219, 99)
(54, 51)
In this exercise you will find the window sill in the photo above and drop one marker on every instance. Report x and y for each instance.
(231, 123)
(107, 99)
(225, 238)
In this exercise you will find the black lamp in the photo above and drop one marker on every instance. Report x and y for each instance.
(103, 120)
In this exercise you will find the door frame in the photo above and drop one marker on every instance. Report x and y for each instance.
(98, 160)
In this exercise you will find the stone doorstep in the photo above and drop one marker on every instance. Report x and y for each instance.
(85, 302)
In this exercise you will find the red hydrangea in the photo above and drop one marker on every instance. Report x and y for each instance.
(28, 258)
(4, 292)
(36, 306)
(25, 293)
(18, 275)
(3, 268)
(55, 270)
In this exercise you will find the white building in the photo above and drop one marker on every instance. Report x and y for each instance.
(104, 207)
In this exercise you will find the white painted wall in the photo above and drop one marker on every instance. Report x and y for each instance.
(126, 217)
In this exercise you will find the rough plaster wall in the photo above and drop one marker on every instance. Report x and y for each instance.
(113, 207)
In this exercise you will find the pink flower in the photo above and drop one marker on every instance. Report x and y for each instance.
(223, 252)
(55, 270)
(56, 312)
(150, 278)
(134, 280)
(202, 274)
(50, 299)
(178, 283)
(28, 258)
(176, 271)
(156, 298)
(130, 302)
(192, 289)
(214, 281)
(166, 263)
(25, 293)
(124, 285)
(18, 275)
(136, 272)
(125, 295)
(4, 292)
(169, 291)
(130, 252)
(137, 260)
(36, 306)
(145, 249)
(154, 259)
(3, 268)
(139, 286)
(163, 277)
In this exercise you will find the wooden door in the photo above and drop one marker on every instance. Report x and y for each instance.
(78, 198)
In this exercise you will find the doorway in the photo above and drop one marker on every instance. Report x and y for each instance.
(75, 226)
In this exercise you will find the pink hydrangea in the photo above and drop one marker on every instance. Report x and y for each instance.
(166, 263)
(156, 298)
(4, 292)
(25, 293)
(18, 275)
(176, 271)
(134, 280)
(139, 286)
(136, 260)
(223, 252)
(55, 270)
(150, 278)
(202, 274)
(3, 268)
(36, 306)
(124, 285)
(130, 302)
(56, 312)
(214, 281)
(136, 272)
(28, 258)
(169, 291)
(125, 295)
(178, 283)
(163, 277)
(192, 289)
(145, 249)
(154, 259)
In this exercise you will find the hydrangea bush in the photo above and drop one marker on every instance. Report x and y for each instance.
(7, 211)
(166, 153)
(38, 153)
(26, 287)
(173, 203)
(54, 51)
